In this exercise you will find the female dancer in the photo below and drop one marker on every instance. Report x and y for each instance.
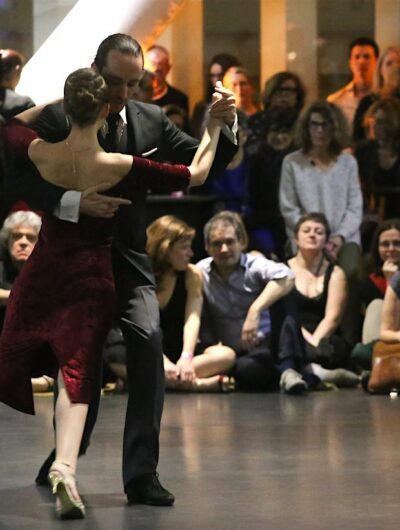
(71, 265)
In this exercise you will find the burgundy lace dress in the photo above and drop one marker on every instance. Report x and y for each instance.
(62, 303)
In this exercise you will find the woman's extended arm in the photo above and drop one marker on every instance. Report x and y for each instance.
(337, 294)
(390, 317)
(205, 154)
(194, 303)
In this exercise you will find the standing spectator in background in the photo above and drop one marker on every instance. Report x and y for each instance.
(219, 64)
(144, 90)
(238, 80)
(157, 62)
(263, 217)
(11, 103)
(177, 115)
(379, 161)
(282, 90)
(386, 83)
(363, 56)
(319, 177)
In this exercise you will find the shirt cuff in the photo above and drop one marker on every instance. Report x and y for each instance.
(231, 132)
(68, 207)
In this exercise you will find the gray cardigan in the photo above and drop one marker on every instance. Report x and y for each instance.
(335, 192)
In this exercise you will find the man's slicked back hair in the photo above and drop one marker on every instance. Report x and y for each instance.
(120, 42)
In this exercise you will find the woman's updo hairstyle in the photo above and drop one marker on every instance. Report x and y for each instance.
(85, 94)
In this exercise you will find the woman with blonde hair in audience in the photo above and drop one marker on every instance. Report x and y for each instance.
(386, 83)
(179, 292)
(320, 294)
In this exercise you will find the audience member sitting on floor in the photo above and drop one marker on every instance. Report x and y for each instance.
(390, 325)
(179, 292)
(319, 177)
(218, 65)
(239, 290)
(238, 80)
(320, 295)
(386, 83)
(264, 220)
(381, 264)
(11, 103)
(283, 90)
(18, 238)
(363, 56)
(379, 161)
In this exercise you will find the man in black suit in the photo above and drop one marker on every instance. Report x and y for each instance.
(141, 129)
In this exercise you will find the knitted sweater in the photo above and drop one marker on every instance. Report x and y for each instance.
(335, 192)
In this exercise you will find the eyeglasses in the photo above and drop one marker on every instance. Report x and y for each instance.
(395, 243)
(319, 125)
(287, 90)
(218, 243)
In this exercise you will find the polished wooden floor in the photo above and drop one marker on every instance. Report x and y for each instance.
(240, 461)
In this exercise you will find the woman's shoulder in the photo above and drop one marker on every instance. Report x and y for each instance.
(296, 156)
(337, 273)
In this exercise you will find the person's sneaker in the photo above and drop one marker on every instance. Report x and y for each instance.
(291, 382)
(147, 489)
(339, 377)
(342, 378)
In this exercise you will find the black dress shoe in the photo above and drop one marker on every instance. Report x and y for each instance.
(147, 489)
(41, 479)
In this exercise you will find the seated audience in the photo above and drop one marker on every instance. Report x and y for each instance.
(11, 103)
(386, 83)
(157, 62)
(263, 218)
(320, 295)
(240, 289)
(363, 56)
(283, 90)
(381, 264)
(379, 161)
(179, 292)
(218, 65)
(319, 177)
(18, 238)
(390, 325)
(238, 80)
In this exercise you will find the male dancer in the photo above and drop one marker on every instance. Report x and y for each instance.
(140, 129)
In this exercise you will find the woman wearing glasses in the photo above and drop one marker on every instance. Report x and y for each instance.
(381, 265)
(319, 177)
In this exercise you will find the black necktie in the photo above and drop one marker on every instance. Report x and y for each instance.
(112, 137)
